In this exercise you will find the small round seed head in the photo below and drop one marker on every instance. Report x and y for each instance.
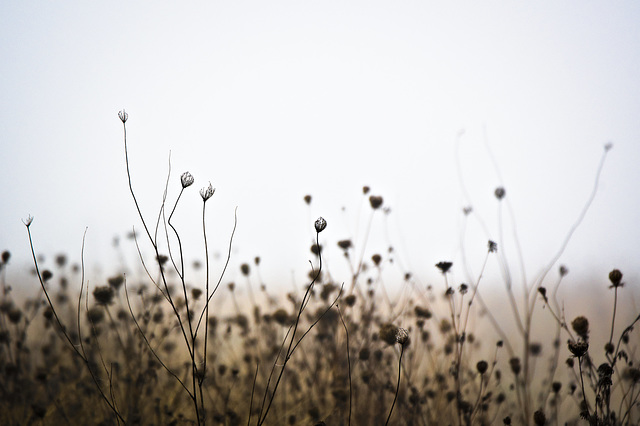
(563, 270)
(375, 201)
(556, 386)
(514, 363)
(579, 348)
(245, 269)
(499, 193)
(344, 244)
(350, 300)
(186, 179)
(467, 210)
(207, 192)
(444, 266)
(482, 366)
(307, 199)
(581, 326)
(5, 256)
(320, 224)
(376, 258)
(493, 246)
(123, 116)
(615, 277)
(365, 190)
(402, 336)
(609, 348)
(103, 295)
(388, 333)
(539, 418)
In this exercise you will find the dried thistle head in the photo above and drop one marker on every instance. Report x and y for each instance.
(103, 295)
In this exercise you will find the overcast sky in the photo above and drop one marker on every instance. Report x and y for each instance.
(272, 100)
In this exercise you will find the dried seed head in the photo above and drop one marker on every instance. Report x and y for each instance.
(402, 336)
(5, 256)
(344, 244)
(514, 363)
(123, 116)
(467, 210)
(320, 224)
(499, 193)
(27, 222)
(579, 348)
(186, 179)
(103, 295)
(365, 190)
(581, 326)
(539, 418)
(388, 333)
(482, 366)
(307, 199)
(375, 201)
(493, 246)
(376, 258)
(207, 192)
(245, 269)
(615, 277)
(444, 266)
(563, 270)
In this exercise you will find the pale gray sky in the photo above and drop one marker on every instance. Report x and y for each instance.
(271, 100)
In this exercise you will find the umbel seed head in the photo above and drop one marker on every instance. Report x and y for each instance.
(320, 224)
(186, 179)
(123, 116)
(615, 277)
(207, 192)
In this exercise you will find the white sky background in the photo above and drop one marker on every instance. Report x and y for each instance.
(273, 100)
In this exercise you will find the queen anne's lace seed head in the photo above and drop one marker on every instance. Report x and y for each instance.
(28, 221)
(320, 224)
(123, 116)
(402, 336)
(207, 192)
(186, 179)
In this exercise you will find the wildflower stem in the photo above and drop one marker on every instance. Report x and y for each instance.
(397, 386)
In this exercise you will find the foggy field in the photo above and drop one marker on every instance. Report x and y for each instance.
(469, 344)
